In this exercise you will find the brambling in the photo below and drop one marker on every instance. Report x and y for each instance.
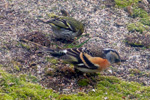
(65, 27)
(85, 60)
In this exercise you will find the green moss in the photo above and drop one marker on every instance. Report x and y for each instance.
(18, 88)
(138, 26)
(83, 82)
(52, 60)
(5, 96)
(65, 97)
(23, 77)
(81, 94)
(131, 75)
(116, 91)
(133, 4)
(28, 78)
(52, 15)
(119, 89)
(125, 3)
(147, 74)
(145, 21)
(110, 88)
(16, 65)
(138, 12)
(17, 68)
(25, 46)
(134, 71)
(1, 65)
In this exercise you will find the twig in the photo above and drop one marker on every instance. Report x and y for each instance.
(25, 40)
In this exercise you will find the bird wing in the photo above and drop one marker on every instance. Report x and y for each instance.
(75, 54)
(79, 58)
(59, 23)
(86, 59)
(71, 26)
(70, 23)
(64, 22)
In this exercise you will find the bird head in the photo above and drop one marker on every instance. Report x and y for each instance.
(112, 56)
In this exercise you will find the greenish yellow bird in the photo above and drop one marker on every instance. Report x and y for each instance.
(65, 27)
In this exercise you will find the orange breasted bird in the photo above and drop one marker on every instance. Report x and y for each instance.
(85, 59)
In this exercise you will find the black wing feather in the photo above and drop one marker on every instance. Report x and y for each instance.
(90, 65)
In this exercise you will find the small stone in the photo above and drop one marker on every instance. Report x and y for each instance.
(93, 90)
(110, 71)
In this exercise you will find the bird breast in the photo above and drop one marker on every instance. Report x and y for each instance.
(64, 33)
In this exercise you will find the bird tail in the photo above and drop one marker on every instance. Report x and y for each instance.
(47, 22)
(54, 53)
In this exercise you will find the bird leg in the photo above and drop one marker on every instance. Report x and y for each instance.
(90, 81)
(79, 73)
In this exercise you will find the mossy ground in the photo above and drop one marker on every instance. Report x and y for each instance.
(139, 27)
(136, 9)
(138, 40)
(108, 88)
(124, 3)
(17, 87)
